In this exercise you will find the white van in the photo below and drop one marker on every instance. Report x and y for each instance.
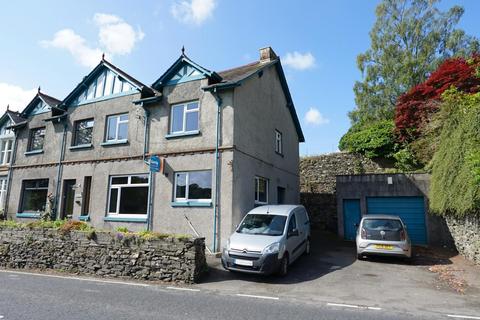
(268, 240)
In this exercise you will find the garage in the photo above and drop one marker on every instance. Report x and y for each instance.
(410, 209)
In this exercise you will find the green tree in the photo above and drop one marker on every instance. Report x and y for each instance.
(408, 41)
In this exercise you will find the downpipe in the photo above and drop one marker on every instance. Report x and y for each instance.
(59, 173)
(217, 166)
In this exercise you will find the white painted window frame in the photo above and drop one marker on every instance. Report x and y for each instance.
(187, 189)
(278, 142)
(3, 191)
(257, 189)
(184, 120)
(4, 144)
(119, 192)
(117, 127)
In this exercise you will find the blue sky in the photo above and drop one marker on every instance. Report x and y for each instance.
(50, 44)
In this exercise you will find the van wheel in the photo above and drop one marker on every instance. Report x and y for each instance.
(360, 257)
(307, 247)
(283, 266)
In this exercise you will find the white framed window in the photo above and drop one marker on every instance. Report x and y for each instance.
(6, 132)
(261, 190)
(6, 146)
(193, 186)
(117, 128)
(278, 142)
(128, 196)
(3, 191)
(184, 117)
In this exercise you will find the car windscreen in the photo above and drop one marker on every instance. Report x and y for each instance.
(382, 224)
(263, 224)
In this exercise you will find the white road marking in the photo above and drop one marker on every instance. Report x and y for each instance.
(462, 317)
(353, 306)
(258, 297)
(1, 317)
(77, 278)
(183, 289)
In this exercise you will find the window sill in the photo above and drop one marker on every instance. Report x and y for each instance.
(28, 153)
(182, 134)
(125, 219)
(81, 146)
(191, 204)
(84, 218)
(28, 215)
(114, 143)
(280, 154)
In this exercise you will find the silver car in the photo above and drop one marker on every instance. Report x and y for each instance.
(268, 240)
(383, 235)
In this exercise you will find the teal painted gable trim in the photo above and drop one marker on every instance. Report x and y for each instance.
(113, 96)
(182, 62)
(122, 219)
(28, 215)
(191, 204)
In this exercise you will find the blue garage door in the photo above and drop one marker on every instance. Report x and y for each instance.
(410, 209)
(351, 218)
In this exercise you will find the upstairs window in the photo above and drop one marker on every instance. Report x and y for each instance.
(117, 128)
(184, 117)
(261, 190)
(6, 151)
(6, 132)
(83, 132)
(37, 137)
(107, 83)
(278, 142)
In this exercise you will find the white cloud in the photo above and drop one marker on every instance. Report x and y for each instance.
(116, 37)
(314, 117)
(15, 96)
(193, 11)
(299, 61)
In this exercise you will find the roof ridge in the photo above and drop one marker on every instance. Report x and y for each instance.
(48, 96)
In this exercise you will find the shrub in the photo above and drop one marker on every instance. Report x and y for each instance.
(405, 160)
(455, 186)
(373, 140)
(122, 229)
(74, 225)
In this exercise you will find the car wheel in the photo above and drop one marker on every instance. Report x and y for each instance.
(283, 266)
(307, 247)
(360, 257)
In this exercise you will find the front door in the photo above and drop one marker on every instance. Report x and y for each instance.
(68, 198)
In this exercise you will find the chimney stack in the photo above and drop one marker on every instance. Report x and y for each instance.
(267, 54)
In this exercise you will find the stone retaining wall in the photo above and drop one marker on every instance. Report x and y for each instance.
(318, 183)
(104, 254)
(466, 235)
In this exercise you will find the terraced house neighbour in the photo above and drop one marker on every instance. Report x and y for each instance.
(225, 142)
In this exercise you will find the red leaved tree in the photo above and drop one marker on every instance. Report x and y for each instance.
(415, 107)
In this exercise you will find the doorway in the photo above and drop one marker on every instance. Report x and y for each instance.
(68, 198)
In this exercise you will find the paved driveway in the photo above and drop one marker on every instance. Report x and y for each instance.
(331, 274)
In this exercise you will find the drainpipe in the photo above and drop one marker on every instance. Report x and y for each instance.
(59, 172)
(9, 177)
(216, 211)
(151, 183)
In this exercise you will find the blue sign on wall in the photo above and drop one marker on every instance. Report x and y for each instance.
(154, 164)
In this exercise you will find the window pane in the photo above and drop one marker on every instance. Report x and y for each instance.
(117, 85)
(133, 200)
(181, 182)
(112, 128)
(124, 117)
(84, 130)
(192, 106)
(113, 200)
(109, 83)
(100, 83)
(122, 131)
(139, 179)
(37, 139)
(192, 121)
(119, 180)
(42, 183)
(262, 190)
(91, 91)
(177, 119)
(200, 185)
(34, 200)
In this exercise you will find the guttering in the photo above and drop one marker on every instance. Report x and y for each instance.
(9, 177)
(217, 166)
(59, 172)
(147, 100)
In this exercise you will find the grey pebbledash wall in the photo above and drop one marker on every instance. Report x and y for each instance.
(466, 235)
(106, 254)
(318, 183)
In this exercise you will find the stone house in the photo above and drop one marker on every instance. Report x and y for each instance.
(225, 142)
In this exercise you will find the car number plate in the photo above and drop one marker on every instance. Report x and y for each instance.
(246, 263)
(383, 246)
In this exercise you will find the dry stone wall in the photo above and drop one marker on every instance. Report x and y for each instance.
(104, 254)
(317, 183)
(466, 235)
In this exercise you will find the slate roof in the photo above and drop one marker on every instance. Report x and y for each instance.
(15, 116)
(51, 101)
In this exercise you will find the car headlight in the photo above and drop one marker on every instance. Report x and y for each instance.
(273, 248)
(227, 246)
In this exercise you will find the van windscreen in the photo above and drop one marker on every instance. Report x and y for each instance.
(263, 224)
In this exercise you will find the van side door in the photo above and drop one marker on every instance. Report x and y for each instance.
(294, 239)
